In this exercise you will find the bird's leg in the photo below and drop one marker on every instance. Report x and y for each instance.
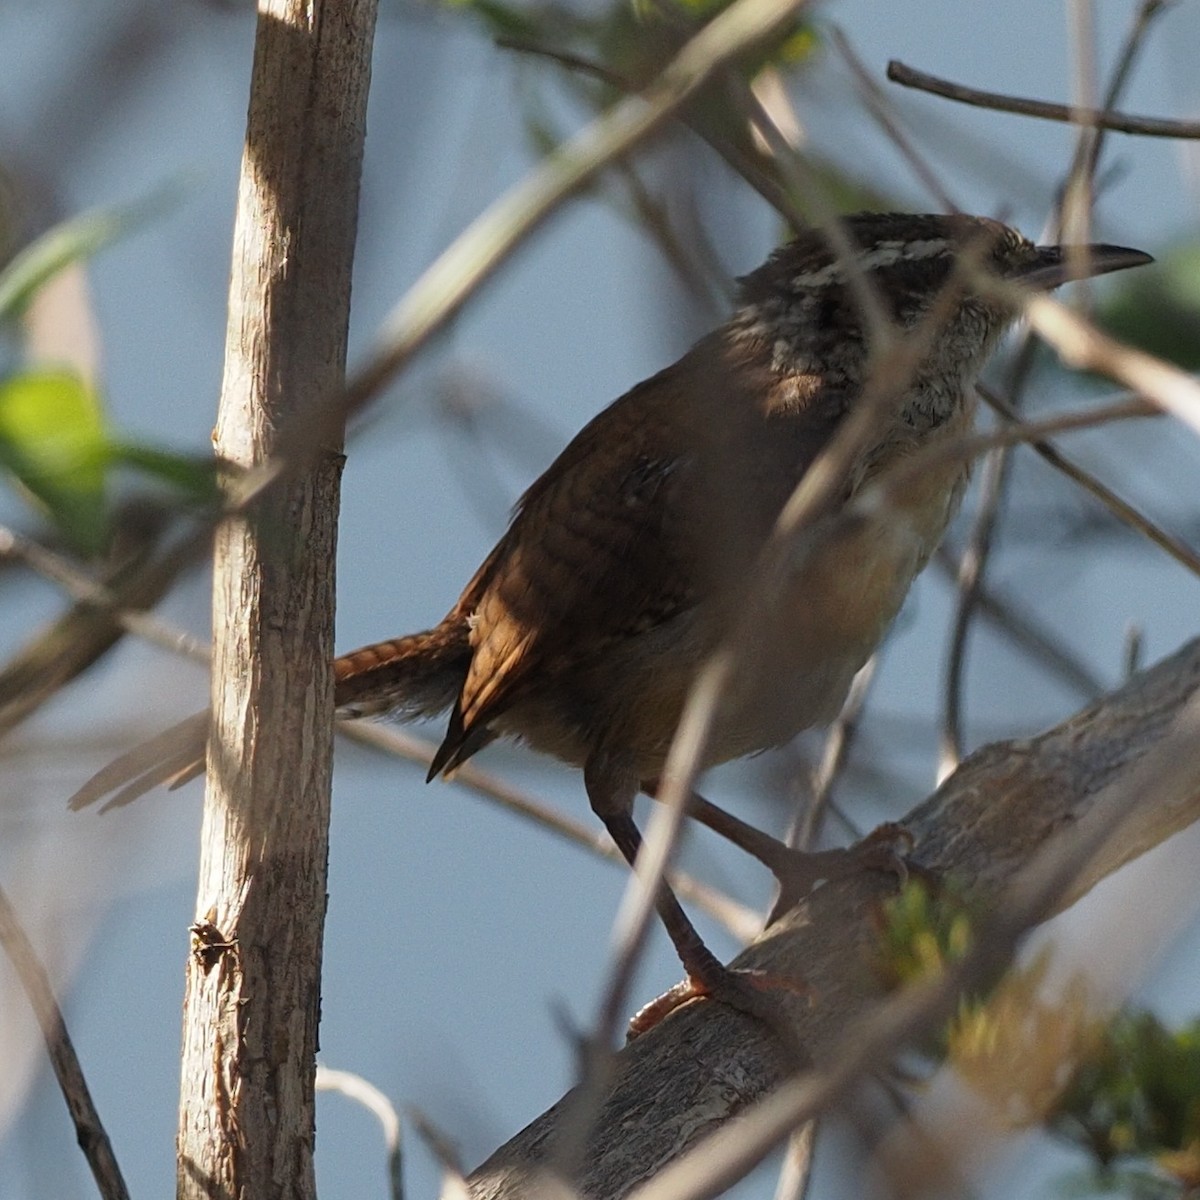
(698, 960)
(799, 871)
(611, 794)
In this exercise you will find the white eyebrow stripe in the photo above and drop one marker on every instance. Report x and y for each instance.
(884, 254)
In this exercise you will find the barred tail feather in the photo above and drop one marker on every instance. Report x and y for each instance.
(176, 754)
(416, 676)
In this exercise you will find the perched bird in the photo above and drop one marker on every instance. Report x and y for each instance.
(626, 561)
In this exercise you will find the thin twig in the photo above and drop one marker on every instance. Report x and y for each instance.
(1074, 208)
(1121, 509)
(454, 1180)
(1038, 644)
(567, 58)
(742, 922)
(1082, 346)
(972, 565)
(89, 1130)
(365, 1093)
(84, 589)
(1135, 39)
(1116, 122)
(1131, 656)
(696, 267)
(877, 105)
(1075, 199)
(835, 753)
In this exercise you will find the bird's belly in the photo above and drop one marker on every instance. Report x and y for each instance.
(830, 606)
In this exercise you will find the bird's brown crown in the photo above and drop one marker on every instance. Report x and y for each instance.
(803, 304)
(905, 257)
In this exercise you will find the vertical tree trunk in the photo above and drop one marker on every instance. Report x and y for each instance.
(253, 978)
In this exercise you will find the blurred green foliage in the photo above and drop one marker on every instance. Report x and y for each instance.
(1134, 1106)
(1125, 1090)
(1158, 309)
(53, 443)
(921, 931)
(615, 50)
(56, 448)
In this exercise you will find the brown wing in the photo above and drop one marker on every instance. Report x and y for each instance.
(589, 555)
(665, 494)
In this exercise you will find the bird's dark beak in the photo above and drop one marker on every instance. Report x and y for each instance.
(1056, 265)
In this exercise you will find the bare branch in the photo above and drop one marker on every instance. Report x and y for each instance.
(365, 1093)
(569, 59)
(1117, 122)
(1082, 346)
(89, 1129)
(1121, 509)
(972, 563)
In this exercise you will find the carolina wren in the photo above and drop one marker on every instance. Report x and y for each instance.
(583, 629)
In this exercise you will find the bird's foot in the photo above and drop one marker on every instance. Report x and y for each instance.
(799, 871)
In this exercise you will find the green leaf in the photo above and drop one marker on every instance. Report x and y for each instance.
(72, 241)
(52, 439)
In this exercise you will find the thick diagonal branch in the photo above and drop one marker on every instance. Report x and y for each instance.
(1005, 804)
